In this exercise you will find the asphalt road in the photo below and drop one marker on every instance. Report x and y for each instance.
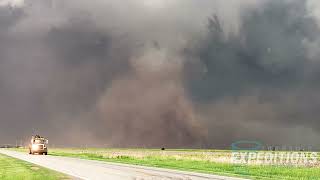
(96, 170)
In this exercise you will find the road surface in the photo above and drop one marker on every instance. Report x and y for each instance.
(96, 170)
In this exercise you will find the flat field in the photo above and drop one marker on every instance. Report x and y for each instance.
(14, 169)
(205, 161)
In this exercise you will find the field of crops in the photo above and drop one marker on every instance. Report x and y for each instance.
(192, 155)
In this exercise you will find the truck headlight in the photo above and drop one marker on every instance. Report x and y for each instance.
(35, 147)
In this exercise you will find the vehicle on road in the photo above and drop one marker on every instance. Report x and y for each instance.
(38, 145)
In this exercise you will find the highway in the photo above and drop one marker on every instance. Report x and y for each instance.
(98, 170)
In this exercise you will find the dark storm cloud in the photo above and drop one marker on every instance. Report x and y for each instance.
(167, 73)
(258, 81)
(267, 52)
(64, 72)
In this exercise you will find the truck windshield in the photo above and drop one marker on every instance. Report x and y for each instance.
(39, 141)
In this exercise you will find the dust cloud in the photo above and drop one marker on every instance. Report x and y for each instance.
(178, 73)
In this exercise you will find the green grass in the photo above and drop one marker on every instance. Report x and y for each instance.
(14, 169)
(191, 160)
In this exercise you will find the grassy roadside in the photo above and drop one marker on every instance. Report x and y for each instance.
(14, 169)
(189, 160)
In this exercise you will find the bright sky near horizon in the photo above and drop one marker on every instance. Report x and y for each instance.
(11, 2)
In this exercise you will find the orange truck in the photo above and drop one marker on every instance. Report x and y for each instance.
(38, 145)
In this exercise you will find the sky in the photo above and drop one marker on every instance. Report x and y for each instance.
(160, 73)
